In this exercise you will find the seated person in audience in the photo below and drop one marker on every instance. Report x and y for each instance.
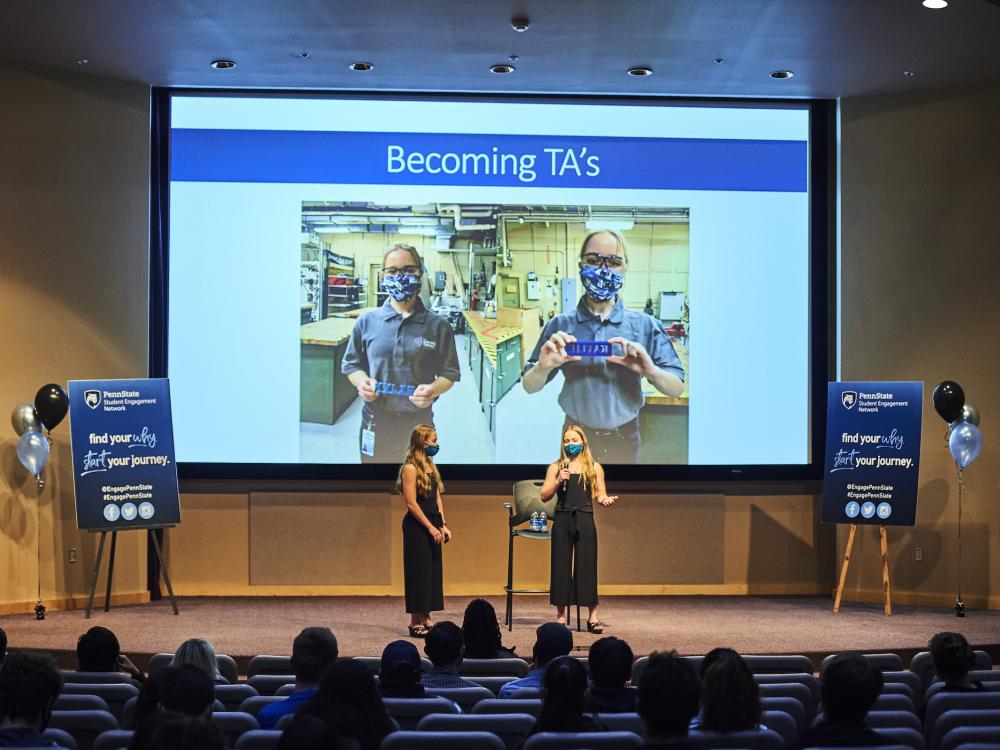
(848, 688)
(564, 699)
(29, 685)
(308, 733)
(445, 647)
(669, 691)
(552, 640)
(148, 700)
(610, 662)
(183, 691)
(313, 650)
(481, 631)
(187, 733)
(730, 696)
(349, 702)
(98, 650)
(199, 653)
(3, 646)
(400, 671)
(953, 658)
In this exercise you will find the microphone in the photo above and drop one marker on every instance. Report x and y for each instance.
(565, 466)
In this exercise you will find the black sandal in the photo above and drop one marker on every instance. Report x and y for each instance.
(595, 627)
(418, 631)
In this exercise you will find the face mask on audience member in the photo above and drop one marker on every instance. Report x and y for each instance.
(401, 287)
(431, 450)
(574, 449)
(601, 283)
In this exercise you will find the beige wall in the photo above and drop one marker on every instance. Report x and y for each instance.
(74, 202)
(921, 263)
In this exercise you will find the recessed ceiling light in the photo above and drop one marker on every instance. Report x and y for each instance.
(935, 4)
(502, 68)
(82, 61)
(223, 64)
(520, 25)
(640, 72)
(909, 73)
(301, 55)
(361, 67)
(718, 61)
(782, 74)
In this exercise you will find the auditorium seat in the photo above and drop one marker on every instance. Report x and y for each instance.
(990, 678)
(784, 664)
(233, 724)
(531, 706)
(94, 678)
(115, 695)
(128, 711)
(232, 696)
(938, 704)
(624, 722)
(412, 740)
(780, 722)
(910, 738)
(466, 698)
(492, 683)
(226, 664)
(61, 737)
(113, 739)
(409, 711)
(526, 692)
(267, 684)
(510, 728)
(899, 688)
(375, 662)
(878, 720)
(74, 702)
(958, 717)
(592, 740)
(907, 678)
(804, 678)
(960, 737)
(259, 739)
(285, 690)
(269, 665)
(893, 702)
(795, 690)
(923, 665)
(513, 667)
(791, 706)
(881, 662)
(253, 705)
(84, 726)
(752, 740)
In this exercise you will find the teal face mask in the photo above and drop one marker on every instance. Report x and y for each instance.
(431, 450)
(574, 449)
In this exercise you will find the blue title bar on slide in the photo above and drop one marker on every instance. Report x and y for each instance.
(336, 157)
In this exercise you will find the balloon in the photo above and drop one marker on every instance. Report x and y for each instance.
(25, 419)
(965, 443)
(948, 397)
(33, 452)
(969, 414)
(51, 403)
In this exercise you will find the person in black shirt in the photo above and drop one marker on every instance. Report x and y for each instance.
(610, 661)
(848, 688)
(668, 699)
(29, 685)
(564, 699)
(953, 658)
(481, 631)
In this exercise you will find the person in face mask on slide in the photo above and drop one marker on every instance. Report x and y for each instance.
(604, 394)
(404, 344)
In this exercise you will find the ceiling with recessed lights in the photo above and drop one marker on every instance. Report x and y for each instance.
(835, 48)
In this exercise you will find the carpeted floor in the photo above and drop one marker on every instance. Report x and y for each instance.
(244, 627)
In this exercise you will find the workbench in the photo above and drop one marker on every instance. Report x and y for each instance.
(495, 361)
(324, 392)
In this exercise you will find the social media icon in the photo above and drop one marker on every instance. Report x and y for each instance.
(146, 511)
(884, 510)
(129, 511)
(111, 512)
(867, 510)
(852, 509)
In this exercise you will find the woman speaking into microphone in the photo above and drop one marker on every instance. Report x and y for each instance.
(578, 481)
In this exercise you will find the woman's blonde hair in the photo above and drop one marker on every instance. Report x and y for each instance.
(587, 463)
(416, 455)
(198, 653)
(417, 260)
(619, 238)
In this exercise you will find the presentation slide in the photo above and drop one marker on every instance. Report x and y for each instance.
(343, 269)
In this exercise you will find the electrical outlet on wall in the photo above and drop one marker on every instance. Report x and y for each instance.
(71, 555)
(920, 554)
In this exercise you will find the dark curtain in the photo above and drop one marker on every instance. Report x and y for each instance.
(159, 214)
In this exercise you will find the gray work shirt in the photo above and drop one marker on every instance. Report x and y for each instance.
(598, 393)
(404, 351)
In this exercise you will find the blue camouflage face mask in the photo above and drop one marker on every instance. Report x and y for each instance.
(401, 287)
(574, 449)
(601, 283)
(431, 450)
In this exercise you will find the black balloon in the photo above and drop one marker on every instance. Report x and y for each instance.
(52, 403)
(949, 398)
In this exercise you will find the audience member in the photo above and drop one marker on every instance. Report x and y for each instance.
(552, 640)
(445, 647)
(182, 691)
(98, 650)
(481, 632)
(953, 658)
(308, 733)
(180, 732)
(3, 646)
(29, 685)
(730, 696)
(610, 660)
(148, 700)
(848, 687)
(349, 702)
(199, 653)
(564, 699)
(399, 671)
(313, 650)
(669, 691)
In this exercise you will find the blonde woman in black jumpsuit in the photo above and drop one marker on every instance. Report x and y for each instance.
(577, 480)
(424, 530)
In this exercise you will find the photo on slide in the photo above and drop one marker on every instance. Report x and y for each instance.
(490, 284)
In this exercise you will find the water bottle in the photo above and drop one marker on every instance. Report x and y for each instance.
(534, 521)
(543, 522)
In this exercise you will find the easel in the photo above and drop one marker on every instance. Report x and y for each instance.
(886, 592)
(111, 569)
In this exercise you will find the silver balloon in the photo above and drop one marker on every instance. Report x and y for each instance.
(25, 419)
(965, 443)
(970, 414)
(33, 452)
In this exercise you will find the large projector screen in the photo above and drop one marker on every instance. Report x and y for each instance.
(674, 235)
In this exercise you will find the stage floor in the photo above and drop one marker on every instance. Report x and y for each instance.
(246, 626)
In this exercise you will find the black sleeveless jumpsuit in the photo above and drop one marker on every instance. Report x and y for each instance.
(422, 557)
(574, 522)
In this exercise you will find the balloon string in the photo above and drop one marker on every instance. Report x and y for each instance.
(961, 492)
(38, 545)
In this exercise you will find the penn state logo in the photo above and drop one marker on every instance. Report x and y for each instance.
(849, 399)
(92, 398)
